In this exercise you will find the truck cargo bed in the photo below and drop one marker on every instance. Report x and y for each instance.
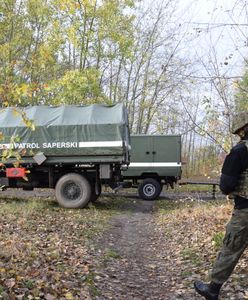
(67, 133)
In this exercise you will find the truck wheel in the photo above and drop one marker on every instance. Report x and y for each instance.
(149, 189)
(95, 195)
(73, 191)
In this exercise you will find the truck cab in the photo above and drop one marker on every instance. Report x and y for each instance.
(155, 161)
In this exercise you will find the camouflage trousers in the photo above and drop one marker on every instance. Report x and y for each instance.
(234, 244)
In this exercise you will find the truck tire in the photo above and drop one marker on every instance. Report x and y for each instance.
(149, 189)
(73, 191)
(95, 195)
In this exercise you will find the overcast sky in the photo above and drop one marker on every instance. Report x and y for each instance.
(218, 25)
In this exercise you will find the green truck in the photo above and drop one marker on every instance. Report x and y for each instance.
(155, 160)
(73, 149)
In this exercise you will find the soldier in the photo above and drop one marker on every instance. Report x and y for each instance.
(233, 182)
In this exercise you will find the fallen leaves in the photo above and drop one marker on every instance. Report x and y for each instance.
(44, 250)
(195, 232)
(47, 252)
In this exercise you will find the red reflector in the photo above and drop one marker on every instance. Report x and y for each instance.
(15, 172)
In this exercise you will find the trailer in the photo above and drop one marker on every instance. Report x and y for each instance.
(73, 149)
(155, 161)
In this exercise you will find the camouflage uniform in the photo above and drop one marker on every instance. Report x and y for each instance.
(234, 244)
(236, 237)
(234, 182)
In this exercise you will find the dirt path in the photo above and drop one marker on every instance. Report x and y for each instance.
(136, 258)
(134, 261)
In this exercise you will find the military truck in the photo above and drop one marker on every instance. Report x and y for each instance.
(155, 161)
(73, 149)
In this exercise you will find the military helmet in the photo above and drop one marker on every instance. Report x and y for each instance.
(240, 120)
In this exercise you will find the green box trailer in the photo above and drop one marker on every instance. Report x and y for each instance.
(155, 160)
(73, 149)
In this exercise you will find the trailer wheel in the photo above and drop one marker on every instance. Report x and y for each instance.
(149, 189)
(73, 191)
(95, 194)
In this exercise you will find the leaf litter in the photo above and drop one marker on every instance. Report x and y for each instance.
(117, 249)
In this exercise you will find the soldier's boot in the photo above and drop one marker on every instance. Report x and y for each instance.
(209, 291)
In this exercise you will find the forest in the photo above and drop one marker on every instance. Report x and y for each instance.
(180, 67)
(175, 75)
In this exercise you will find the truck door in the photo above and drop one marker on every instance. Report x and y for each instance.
(166, 149)
(141, 152)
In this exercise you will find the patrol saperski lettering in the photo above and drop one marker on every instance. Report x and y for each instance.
(46, 145)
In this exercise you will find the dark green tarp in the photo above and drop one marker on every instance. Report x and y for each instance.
(67, 130)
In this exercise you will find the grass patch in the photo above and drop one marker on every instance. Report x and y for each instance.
(217, 239)
(29, 284)
(165, 206)
(1, 289)
(195, 188)
(111, 253)
(186, 274)
(90, 281)
(21, 206)
(191, 256)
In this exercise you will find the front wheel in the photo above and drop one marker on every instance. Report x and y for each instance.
(73, 191)
(149, 189)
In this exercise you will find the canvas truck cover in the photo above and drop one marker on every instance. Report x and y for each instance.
(67, 131)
